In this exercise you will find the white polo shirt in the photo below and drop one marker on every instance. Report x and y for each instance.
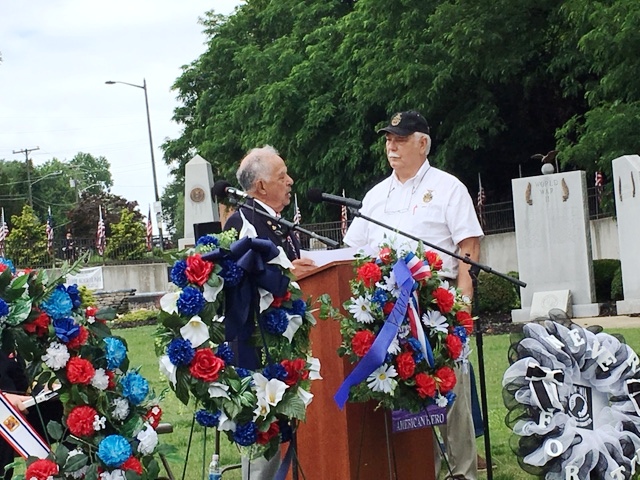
(433, 205)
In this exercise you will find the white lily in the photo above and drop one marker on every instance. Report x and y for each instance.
(225, 423)
(168, 369)
(266, 299)
(305, 396)
(295, 321)
(262, 409)
(211, 293)
(196, 331)
(169, 302)
(218, 390)
(270, 390)
(314, 368)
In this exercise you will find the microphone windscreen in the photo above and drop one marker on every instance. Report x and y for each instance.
(314, 195)
(219, 189)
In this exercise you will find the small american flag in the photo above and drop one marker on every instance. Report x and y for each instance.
(4, 233)
(599, 179)
(297, 216)
(149, 231)
(49, 230)
(481, 202)
(101, 238)
(344, 219)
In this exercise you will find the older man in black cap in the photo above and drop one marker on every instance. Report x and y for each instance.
(434, 206)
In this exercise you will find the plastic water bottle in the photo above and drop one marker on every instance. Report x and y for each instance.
(214, 468)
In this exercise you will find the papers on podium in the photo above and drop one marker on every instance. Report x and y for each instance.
(322, 257)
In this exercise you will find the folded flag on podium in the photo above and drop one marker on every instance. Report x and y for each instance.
(19, 433)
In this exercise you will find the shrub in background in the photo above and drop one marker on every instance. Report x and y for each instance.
(495, 294)
(603, 273)
(616, 285)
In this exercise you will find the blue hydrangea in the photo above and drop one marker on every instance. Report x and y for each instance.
(59, 304)
(286, 432)
(207, 418)
(225, 353)
(4, 308)
(66, 329)
(134, 387)
(208, 240)
(116, 352)
(275, 371)
(74, 295)
(178, 275)
(231, 272)
(180, 352)
(246, 434)
(298, 307)
(461, 332)
(114, 450)
(379, 297)
(417, 349)
(8, 263)
(190, 302)
(275, 321)
(243, 372)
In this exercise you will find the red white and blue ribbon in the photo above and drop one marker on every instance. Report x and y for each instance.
(19, 433)
(419, 269)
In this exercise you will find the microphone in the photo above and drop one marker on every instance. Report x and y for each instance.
(223, 189)
(315, 195)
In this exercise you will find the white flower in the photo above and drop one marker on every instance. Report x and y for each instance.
(148, 439)
(120, 408)
(390, 284)
(218, 390)
(169, 302)
(168, 369)
(116, 474)
(441, 401)
(262, 409)
(57, 356)
(361, 309)
(211, 293)
(394, 347)
(381, 380)
(435, 320)
(225, 423)
(266, 299)
(218, 318)
(294, 324)
(314, 368)
(404, 330)
(195, 331)
(305, 396)
(271, 390)
(91, 319)
(100, 379)
(99, 422)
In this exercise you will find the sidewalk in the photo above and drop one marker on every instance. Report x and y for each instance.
(619, 321)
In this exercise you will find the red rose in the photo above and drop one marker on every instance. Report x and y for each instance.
(444, 299)
(80, 421)
(132, 463)
(41, 469)
(278, 301)
(80, 339)
(465, 320)
(80, 371)
(206, 366)
(39, 326)
(296, 371)
(361, 342)
(264, 437)
(434, 260)
(198, 270)
(425, 385)
(369, 274)
(454, 346)
(388, 307)
(385, 255)
(406, 365)
(446, 378)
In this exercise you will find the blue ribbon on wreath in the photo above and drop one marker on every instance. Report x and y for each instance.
(378, 351)
(252, 255)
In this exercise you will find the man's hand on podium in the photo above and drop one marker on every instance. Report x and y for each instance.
(302, 266)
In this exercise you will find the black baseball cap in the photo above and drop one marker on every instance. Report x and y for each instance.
(406, 123)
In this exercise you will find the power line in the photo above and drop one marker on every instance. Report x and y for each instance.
(26, 155)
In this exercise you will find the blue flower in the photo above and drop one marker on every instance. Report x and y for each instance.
(231, 272)
(190, 302)
(8, 263)
(207, 240)
(207, 418)
(116, 352)
(59, 304)
(178, 277)
(275, 321)
(243, 372)
(74, 295)
(379, 297)
(246, 434)
(114, 450)
(461, 332)
(298, 307)
(134, 387)
(225, 353)
(417, 349)
(451, 397)
(4, 308)
(66, 329)
(286, 432)
(180, 352)
(275, 371)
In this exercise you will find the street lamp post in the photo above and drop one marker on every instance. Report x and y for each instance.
(153, 161)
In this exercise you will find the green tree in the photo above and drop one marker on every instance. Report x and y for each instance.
(27, 241)
(83, 217)
(127, 240)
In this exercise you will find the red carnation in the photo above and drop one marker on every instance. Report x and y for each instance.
(3, 267)
(264, 437)
(80, 339)
(434, 260)
(406, 365)
(369, 274)
(425, 385)
(454, 346)
(112, 379)
(132, 463)
(388, 307)
(385, 255)
(206, 366)
(80, 371)
(446, 378)
(198, 270)
(362, 341)
(41, 469)
(80, 421)
(465, 320)
(39, 326)
(444, 299)
(278, 301)
(296, 370)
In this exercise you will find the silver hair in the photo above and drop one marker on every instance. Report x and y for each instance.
(253, 167)
(424, 135)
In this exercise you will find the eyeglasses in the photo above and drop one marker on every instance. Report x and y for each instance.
(396, 204)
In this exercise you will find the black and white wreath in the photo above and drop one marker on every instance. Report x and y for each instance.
(573, 396)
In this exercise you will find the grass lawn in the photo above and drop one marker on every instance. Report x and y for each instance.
(142, 354)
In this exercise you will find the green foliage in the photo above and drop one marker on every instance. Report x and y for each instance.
(495, 294)
(87, 297)
(127, 240)
(617, 292)
(603, 272)
(141, 316)
(27, 241)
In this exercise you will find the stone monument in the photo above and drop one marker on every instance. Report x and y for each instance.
(199, 206)
(553, 244)
(626, 183)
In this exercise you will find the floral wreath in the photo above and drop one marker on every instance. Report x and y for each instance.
(110, 413)
(573, 396)
(406, 330)
(238, 293)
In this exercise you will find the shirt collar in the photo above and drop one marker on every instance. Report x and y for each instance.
(269, 210)
(419, 174)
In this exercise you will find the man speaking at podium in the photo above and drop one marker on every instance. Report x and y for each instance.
(434, 206)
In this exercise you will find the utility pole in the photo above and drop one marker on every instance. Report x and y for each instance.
(26, 155)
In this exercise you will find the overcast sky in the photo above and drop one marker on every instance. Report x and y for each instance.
(56, 57)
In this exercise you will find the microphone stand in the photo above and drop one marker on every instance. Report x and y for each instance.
(474, 270)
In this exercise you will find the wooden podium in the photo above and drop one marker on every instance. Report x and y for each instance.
(351, 444)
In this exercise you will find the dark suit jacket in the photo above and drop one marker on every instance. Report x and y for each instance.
(266, 228)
